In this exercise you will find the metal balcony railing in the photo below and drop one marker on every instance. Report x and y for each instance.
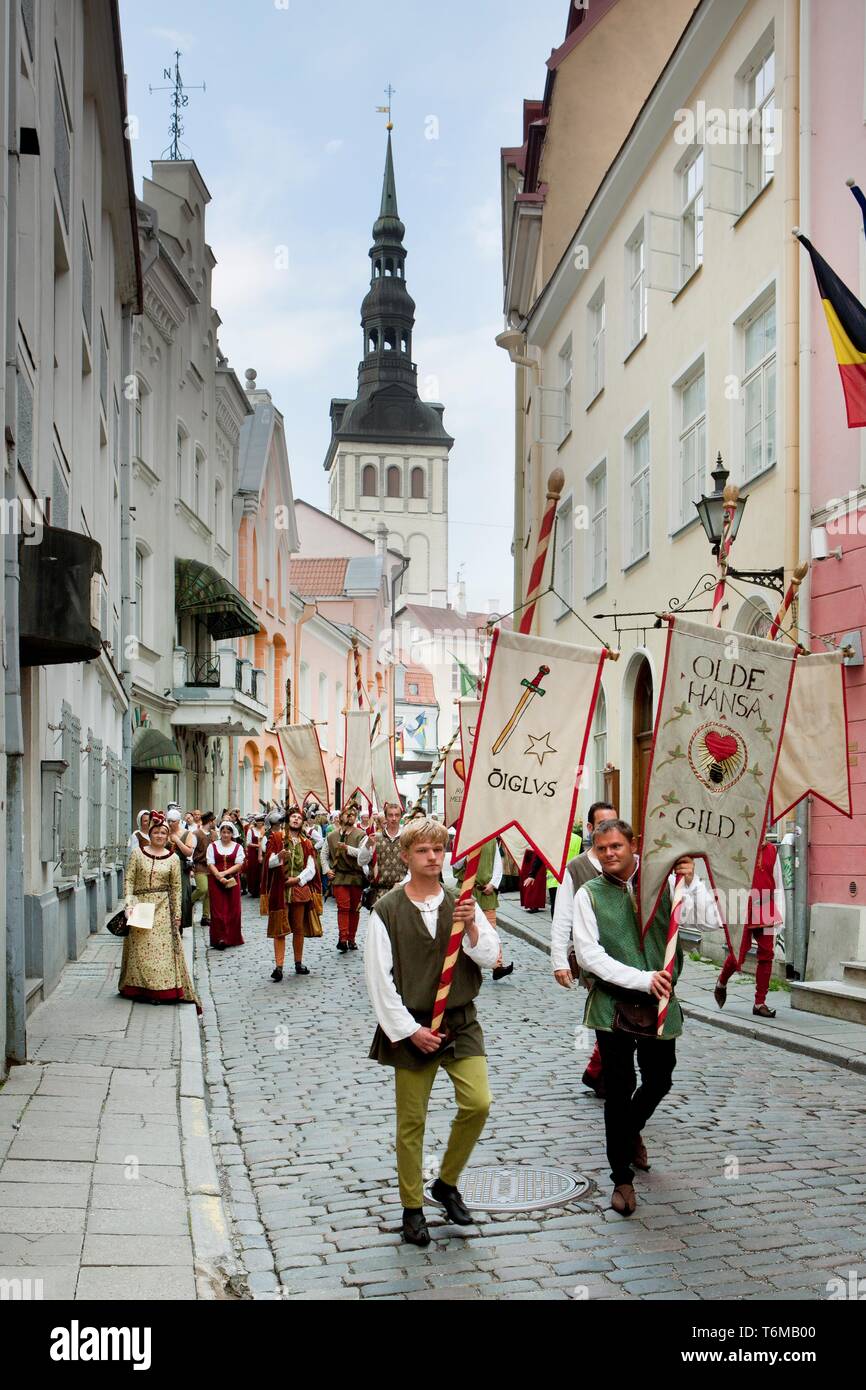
(203, 670)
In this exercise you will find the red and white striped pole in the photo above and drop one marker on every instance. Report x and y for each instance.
(555, 484)
(671, 945)
(359, 683)
(730, 508)
(796, 580)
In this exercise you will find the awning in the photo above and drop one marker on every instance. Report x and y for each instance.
(201, 591)
(55, 598)
(154, 752)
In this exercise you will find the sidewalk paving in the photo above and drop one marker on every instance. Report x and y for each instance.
(829, 1039)
(108, 1187)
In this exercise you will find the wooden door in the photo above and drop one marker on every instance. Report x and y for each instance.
(642, 735)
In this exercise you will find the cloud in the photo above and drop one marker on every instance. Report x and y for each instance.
(175, 37)
(333, 146)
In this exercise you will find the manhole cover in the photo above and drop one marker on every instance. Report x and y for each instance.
(510, 1187)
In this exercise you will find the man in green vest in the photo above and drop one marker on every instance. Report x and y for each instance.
(407, 941)
(627, 983)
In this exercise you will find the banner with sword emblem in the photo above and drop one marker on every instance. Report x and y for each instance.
(530, 743)
(721, 714)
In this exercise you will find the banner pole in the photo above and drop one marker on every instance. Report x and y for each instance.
(555, 484)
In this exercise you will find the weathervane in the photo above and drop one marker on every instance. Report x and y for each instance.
(386, 110)
(178, 102)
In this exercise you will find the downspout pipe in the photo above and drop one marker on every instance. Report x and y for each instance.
(16, 1011)
(798, 956)
(126, 570)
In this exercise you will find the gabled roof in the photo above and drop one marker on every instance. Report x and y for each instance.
(319, 578)
(420, 676)
(445, 619)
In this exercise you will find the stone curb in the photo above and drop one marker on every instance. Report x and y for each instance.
(215, 1262)
(822, 1052)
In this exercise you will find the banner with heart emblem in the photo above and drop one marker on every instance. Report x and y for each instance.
(530, 744)
(384, 778)
(721, 715)
(813, 760)
(302, 759)
(458, 759)
(358, 763)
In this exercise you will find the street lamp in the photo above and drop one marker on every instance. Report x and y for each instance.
(711, 512)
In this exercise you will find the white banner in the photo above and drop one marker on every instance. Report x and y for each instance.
(457, 761)
(718, 730)
(814, 756)
(358, 762)
(530, 744)
(305, 768)
(384, 780)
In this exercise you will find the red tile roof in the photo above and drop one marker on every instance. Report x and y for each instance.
(318, 578)
(420, 676)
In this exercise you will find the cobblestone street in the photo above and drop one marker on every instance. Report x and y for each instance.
(756, 1189)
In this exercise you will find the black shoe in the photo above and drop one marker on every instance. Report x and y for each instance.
(500, 971)
(343, 946)
(205, 922)
(452, 1202)
(415, 1227)
(220, 946)
(764, 1011)
(277, 975)
(300, 969)
(353, 945)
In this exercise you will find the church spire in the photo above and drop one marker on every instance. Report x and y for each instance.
(389, 185)
(388, 310)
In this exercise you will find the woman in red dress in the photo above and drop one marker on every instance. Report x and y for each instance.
(225, 859)
(254, 856)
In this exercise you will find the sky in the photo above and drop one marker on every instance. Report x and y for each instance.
(290, 145)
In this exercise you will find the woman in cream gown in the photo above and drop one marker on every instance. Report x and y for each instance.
(153, 965)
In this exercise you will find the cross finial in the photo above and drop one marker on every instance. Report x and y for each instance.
(386, 110)
(178, 101)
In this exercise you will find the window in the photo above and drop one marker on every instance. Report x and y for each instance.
(339, 702)
(70, 750)
(180, 458)
(638, 493)
(759, 389)
(322, 713)
(62, 147)
(369, 481)
(455, 680)
(566, 372)
(395, 484)
(595, 358)
(94, 801)
(137, 425)
(304, 692)
(198, 482)
(599, 747)
(597, 489)
(637, 289)
(692, 238)
(564, 578)
(138, 616)
(418, 489)
(691, 472)
(759, 149)
(218, 513)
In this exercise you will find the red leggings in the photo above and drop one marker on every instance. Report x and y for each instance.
(348, 901)
(766, 946)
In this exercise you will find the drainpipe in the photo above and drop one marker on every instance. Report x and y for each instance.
(308, 613)
(798, 952)
(512, 341)
(16, 1011)
(126, 625)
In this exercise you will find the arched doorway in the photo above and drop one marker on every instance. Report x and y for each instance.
(642, 737)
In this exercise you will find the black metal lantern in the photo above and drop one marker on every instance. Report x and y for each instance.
(711, 510)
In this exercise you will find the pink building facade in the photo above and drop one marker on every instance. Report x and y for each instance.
(833, 148)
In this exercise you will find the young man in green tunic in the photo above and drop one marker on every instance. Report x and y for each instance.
(407, 940)
(627, 983)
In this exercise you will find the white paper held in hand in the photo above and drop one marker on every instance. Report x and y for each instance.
(142, 916)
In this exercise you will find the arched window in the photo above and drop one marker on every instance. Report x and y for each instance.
(198, 481)
(418, 488)
(389, 266)
(394, 482)
(369, 481)
(218, 513)
(599, 748)
(377, 269)
(389, 339)
(373, 341)
(404, 343)
(266, 781)
(322, 712)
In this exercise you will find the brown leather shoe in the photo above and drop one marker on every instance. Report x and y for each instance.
(720, 994)
(623, 1199)
(763, 1011)
(639, 1158)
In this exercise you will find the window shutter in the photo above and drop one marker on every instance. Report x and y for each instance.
(663, 252)
(94, 801)
(70, 832)
(723, 175)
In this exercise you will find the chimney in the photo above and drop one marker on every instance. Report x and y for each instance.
(438, 598)
(460, 597)
(493, 606)
(381, 539)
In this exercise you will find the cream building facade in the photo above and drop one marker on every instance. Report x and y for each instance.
(666, 334)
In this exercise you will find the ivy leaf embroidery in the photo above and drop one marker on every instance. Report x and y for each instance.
(658, 845)
(668, 799)
(680, 711)
(672, 757)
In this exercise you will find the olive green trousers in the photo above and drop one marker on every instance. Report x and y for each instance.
(413, 1087)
